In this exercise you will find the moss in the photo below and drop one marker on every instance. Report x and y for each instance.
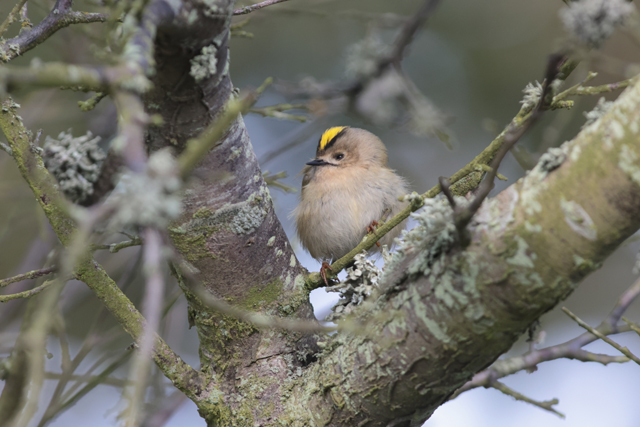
(259, 297)
(193, 246)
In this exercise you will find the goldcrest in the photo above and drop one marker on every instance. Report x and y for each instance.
(346, 189)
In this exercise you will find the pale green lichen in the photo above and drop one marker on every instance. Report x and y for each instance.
(75, 162)
(271, 241)
(292, 262)
(522, 257)
(578, 219)
(204, 65)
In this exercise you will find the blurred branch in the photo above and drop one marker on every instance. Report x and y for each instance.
(152, 308)
(273, 181)
(27, 294)
(11, 18)
(30, 275)
(276, 111)
(257, 6)
(117, 247)
(408, 32)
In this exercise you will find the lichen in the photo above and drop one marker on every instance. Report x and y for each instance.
(75, 162)
(362, 279)
(204, 65)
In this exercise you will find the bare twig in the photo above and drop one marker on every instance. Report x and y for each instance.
(257, 6)
(30, 275)
(58, 18)
(547, 405)
(603, 337)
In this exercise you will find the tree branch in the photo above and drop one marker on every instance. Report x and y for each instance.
(30, 275)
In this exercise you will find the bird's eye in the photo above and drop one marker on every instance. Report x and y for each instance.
(339, 156)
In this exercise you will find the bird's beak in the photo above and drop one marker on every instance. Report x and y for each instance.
(318, 162)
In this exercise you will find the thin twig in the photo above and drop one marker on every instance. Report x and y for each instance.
(27, 294)
(547, 405)
(257, 6)
(603, 337)
(29, 275)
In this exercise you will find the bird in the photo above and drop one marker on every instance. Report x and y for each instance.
(346, 189)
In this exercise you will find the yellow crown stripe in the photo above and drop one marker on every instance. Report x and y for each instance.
(329, 134)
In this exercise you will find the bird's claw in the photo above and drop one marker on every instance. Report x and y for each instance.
(323, 271)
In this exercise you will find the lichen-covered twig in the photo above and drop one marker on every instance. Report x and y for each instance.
(277, 111)
(12, 17)
(29, 275)
(464, 214)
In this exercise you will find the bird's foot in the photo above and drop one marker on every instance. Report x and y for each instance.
(371, 228)
(323, 271)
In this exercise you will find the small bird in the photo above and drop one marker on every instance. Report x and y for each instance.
(346, 190)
